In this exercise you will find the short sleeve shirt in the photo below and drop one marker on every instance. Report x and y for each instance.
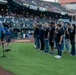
(59, 34)
(51, 32)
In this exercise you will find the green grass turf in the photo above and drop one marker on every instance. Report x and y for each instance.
(24, 59)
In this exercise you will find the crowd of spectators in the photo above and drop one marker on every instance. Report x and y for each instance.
(56, 7)
(21, 21)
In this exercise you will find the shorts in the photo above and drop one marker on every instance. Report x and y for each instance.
(8, 38)
(51, 43)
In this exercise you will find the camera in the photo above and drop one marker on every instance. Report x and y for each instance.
(8, 25)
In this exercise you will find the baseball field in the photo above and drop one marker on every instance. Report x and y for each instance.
(24, 59)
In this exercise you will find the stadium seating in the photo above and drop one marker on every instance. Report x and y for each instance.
(20, 22)
(50, 6)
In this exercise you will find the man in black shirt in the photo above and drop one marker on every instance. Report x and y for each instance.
(34, 28)
(46, 37)
(41, 34)
(63, 39)
(37, 36)
(67, 38)
(59, 41)
(51, 36)
(72, 39)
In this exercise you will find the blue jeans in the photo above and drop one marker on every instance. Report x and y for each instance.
(37, 42)
(59, 49)
(46, 41)
(63, 42)
(54, 44)
(67, 44)
(73, 47)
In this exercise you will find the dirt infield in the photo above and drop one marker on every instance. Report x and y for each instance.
(31, 39)
(5, 72)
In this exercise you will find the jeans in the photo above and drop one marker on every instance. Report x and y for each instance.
(42, 43)
(63, 42)
(54, 44)
(67, 44)
(37, 42)
(59, 49)
(73, 47)
(46, 45)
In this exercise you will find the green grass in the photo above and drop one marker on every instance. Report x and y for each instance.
(25, 60)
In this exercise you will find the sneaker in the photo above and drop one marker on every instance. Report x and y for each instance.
(52, 53)
(34, 46)
(46, 51)
(58, 57)
(38, 48)
(6, 50)
(42, 50)
(72, 55)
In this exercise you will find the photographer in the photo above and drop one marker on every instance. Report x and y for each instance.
(8, 30)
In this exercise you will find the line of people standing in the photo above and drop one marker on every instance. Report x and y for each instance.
(56, 36)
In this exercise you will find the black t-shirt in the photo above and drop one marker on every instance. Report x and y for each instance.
(41, 33)
(72, 34)
(46, 30)
(67, 34)
(37, 31)
(63, 29)
(59, 34)
(51, 34)
(34, 32)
